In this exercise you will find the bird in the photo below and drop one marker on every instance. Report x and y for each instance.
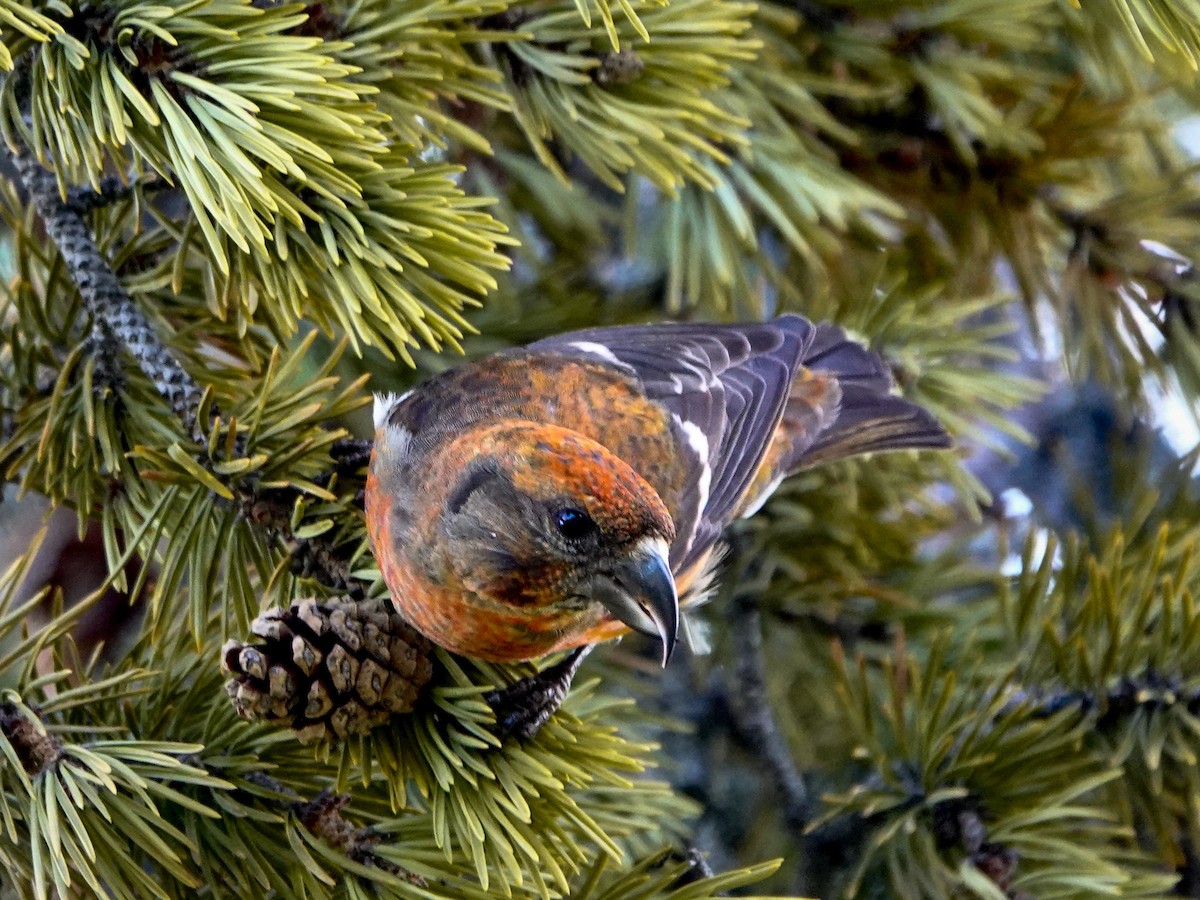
(553, 496)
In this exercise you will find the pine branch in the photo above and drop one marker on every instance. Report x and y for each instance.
(121, 323)
(752, 715)
(512, 20)
(960, 823)
(1152, 691)
(957, 824)
(107, 369)
(349, 455)
(1093, 245)
(321, 816)
(698, 870)
(112, 190)
(36, 749)
(317, 558)
(271, 511)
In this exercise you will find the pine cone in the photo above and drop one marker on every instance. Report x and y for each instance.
(328, 669)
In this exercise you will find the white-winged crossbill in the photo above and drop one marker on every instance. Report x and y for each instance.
(557, 495)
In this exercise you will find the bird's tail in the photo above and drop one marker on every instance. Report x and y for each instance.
(869, 418)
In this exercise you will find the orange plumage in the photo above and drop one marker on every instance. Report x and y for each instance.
(550, 497)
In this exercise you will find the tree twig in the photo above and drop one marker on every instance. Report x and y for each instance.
(317, 558)
(271, 511)
(35, 748)
(960, 824)
(121, 323)
(111, 190)
(1152, 690)
(752, 715)
(698, 867)
(321, 816)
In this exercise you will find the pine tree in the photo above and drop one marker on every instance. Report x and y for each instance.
(226, 222)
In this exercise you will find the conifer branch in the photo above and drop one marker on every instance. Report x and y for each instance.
(271, 511)
(112, 190)
(121, 322)
(315, 558)
(752, 716)
(349, 456)
(36, 749)
(321, 816)
(698, 868)
(107, 369)
(959, 824)
(1131, 694)
(511, 20)
(891, 169)
(1092, 244)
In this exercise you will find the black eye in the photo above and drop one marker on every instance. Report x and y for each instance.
(574, 524)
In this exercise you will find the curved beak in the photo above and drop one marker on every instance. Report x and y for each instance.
(640, 591)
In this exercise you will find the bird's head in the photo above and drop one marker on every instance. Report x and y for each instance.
(546, 523)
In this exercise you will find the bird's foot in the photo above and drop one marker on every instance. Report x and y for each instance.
(523, 708)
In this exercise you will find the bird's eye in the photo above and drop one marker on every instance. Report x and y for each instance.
(574, 524)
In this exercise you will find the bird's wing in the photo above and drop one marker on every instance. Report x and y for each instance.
(725, 388)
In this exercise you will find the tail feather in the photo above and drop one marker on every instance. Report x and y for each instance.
(869, 419)
(869, 422)
(852, 363)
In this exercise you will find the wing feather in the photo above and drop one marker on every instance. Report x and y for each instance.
(725, 387)
(846, 407)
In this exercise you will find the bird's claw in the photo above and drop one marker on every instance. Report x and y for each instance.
(524, 707)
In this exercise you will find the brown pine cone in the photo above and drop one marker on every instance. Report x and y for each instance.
(328, 669)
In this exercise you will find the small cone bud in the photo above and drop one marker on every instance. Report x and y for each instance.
(327, 669)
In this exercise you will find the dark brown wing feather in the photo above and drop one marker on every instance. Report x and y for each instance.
(868, 419)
